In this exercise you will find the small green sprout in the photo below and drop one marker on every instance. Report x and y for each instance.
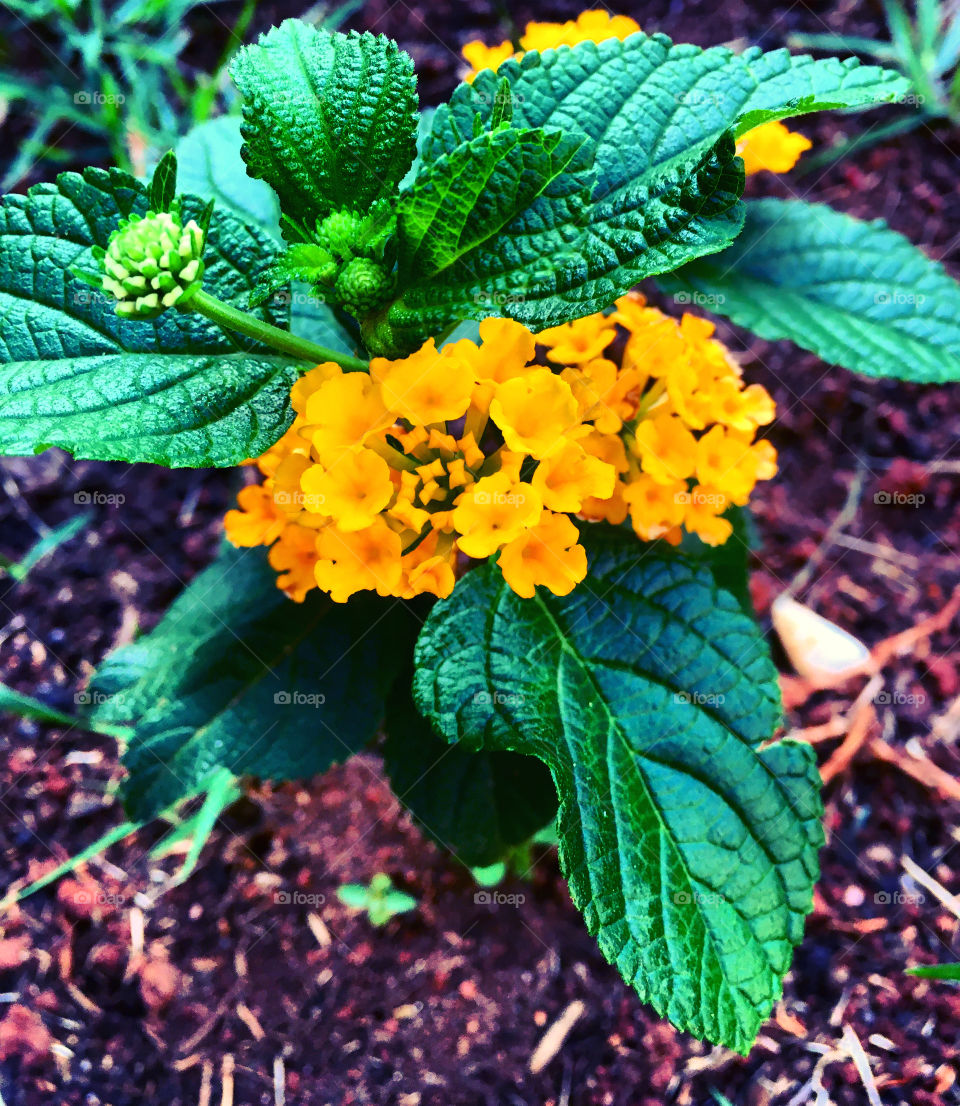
(379, 899)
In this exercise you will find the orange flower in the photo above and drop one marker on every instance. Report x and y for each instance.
(548, 554)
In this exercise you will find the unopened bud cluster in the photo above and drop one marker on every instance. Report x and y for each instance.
(153, 262)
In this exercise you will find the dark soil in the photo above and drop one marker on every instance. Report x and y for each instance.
(444, 1006)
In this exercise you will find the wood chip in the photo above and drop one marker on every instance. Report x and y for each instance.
(249, 1019)
(913, 869)
(919, 768)
(279, 1082)
(206, 1084)
(226, 1080)
(862, 720)
(552, 1041)
(862, 1064)
(319, 929)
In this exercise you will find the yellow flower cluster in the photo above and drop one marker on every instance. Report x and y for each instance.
(770, 146)
(391, 481)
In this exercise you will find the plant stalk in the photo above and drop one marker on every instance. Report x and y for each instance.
(282, 340)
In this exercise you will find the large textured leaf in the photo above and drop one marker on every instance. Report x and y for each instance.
(237, 676)
(176, 391)
(658, 117)
(855, 293)
(330, 120)
(690, 848)
(211, 166)
(477, 805)
(464, 198)
(565, 257)
(646, 101)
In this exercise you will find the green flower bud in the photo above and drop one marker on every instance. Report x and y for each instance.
(362, 286)
(152, 263)
(340, 233)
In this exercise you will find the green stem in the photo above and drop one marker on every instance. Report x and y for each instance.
(300, 348)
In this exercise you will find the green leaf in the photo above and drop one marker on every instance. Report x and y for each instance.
(658, 118)
(211, 167)
(163, 186)
(466, 197)
(25, 706)
(562, 257)
(937, 971)
(857, 294)
(477, 805)
(236, 676)
(646, 101)
(689, 846)
(177, 390)
(330, 120)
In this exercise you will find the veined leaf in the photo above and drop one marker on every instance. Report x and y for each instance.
(646, 101)
(658, 118)
(464, 198)
(330, 119)
(855, 293)
(211, 167)
(477, 805)
(176, 390)
(235, 676)
(690, 847)
(561, 258)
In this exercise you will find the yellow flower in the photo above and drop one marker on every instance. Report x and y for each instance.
(580, 341)
(429, 569)
(666, 448)
(590, 26)
(361, 560)
(771, 146)
(534, 412)
(702, 515)
(353, 490)
(548, 554)
(429, 386)
(342, 413)
(728, 464)
(259, 521)
(295, 557)
(494, 511)
(310, 382)
(655, 508)
(481, 56)
(569, 475)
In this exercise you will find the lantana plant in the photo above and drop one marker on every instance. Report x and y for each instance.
(497, 508)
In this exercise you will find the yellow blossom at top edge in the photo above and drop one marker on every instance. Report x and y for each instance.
(773, 147)
(548, 554)
(429, 386)
(595, 25)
